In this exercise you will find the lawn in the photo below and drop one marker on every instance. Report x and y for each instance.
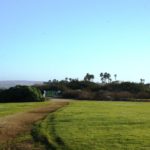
(12, 108)
(97, 126)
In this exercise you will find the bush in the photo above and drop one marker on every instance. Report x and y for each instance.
(79, 94)
(143, 95)
(86, 95)
(73, 94)
(21, 94)
(124, 95)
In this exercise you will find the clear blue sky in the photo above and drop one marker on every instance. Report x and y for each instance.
(46, 39)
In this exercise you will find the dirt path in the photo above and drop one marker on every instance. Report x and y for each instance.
(13, 125)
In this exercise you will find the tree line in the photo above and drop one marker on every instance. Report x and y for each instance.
(108, 89)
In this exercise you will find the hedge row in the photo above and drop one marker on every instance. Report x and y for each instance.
(21, 94)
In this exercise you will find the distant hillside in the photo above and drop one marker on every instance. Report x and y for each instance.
(8, 84)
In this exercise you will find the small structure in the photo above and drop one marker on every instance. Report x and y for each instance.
(52, 93)
(44, 93)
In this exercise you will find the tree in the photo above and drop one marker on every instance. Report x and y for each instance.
(142, 81)
(55, 81)
(88, 77)
(66, 79)
(70, 79)
(110, 80)
(91, 77)
(115, 75)
(105, 77)
(102, 77)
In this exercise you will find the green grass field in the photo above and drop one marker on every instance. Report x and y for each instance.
(12, 108)
(97, 126)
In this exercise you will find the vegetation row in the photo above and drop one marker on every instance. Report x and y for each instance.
(87, 89)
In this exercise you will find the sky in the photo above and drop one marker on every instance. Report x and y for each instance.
(45, 39)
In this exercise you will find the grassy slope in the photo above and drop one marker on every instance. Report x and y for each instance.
(12, 108)
(98, 126)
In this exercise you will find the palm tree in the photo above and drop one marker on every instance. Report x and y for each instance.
(115, 75)
(142, 81)
(105, 77)
(102, 77)
(108, 77)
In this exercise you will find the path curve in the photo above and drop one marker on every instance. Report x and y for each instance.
(13, 125)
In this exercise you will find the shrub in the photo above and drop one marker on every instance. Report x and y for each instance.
(21, 94)
(143, 95)
(86, 95)
(124, 95)
(106, 95)
(79, 94)
(71, 94)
